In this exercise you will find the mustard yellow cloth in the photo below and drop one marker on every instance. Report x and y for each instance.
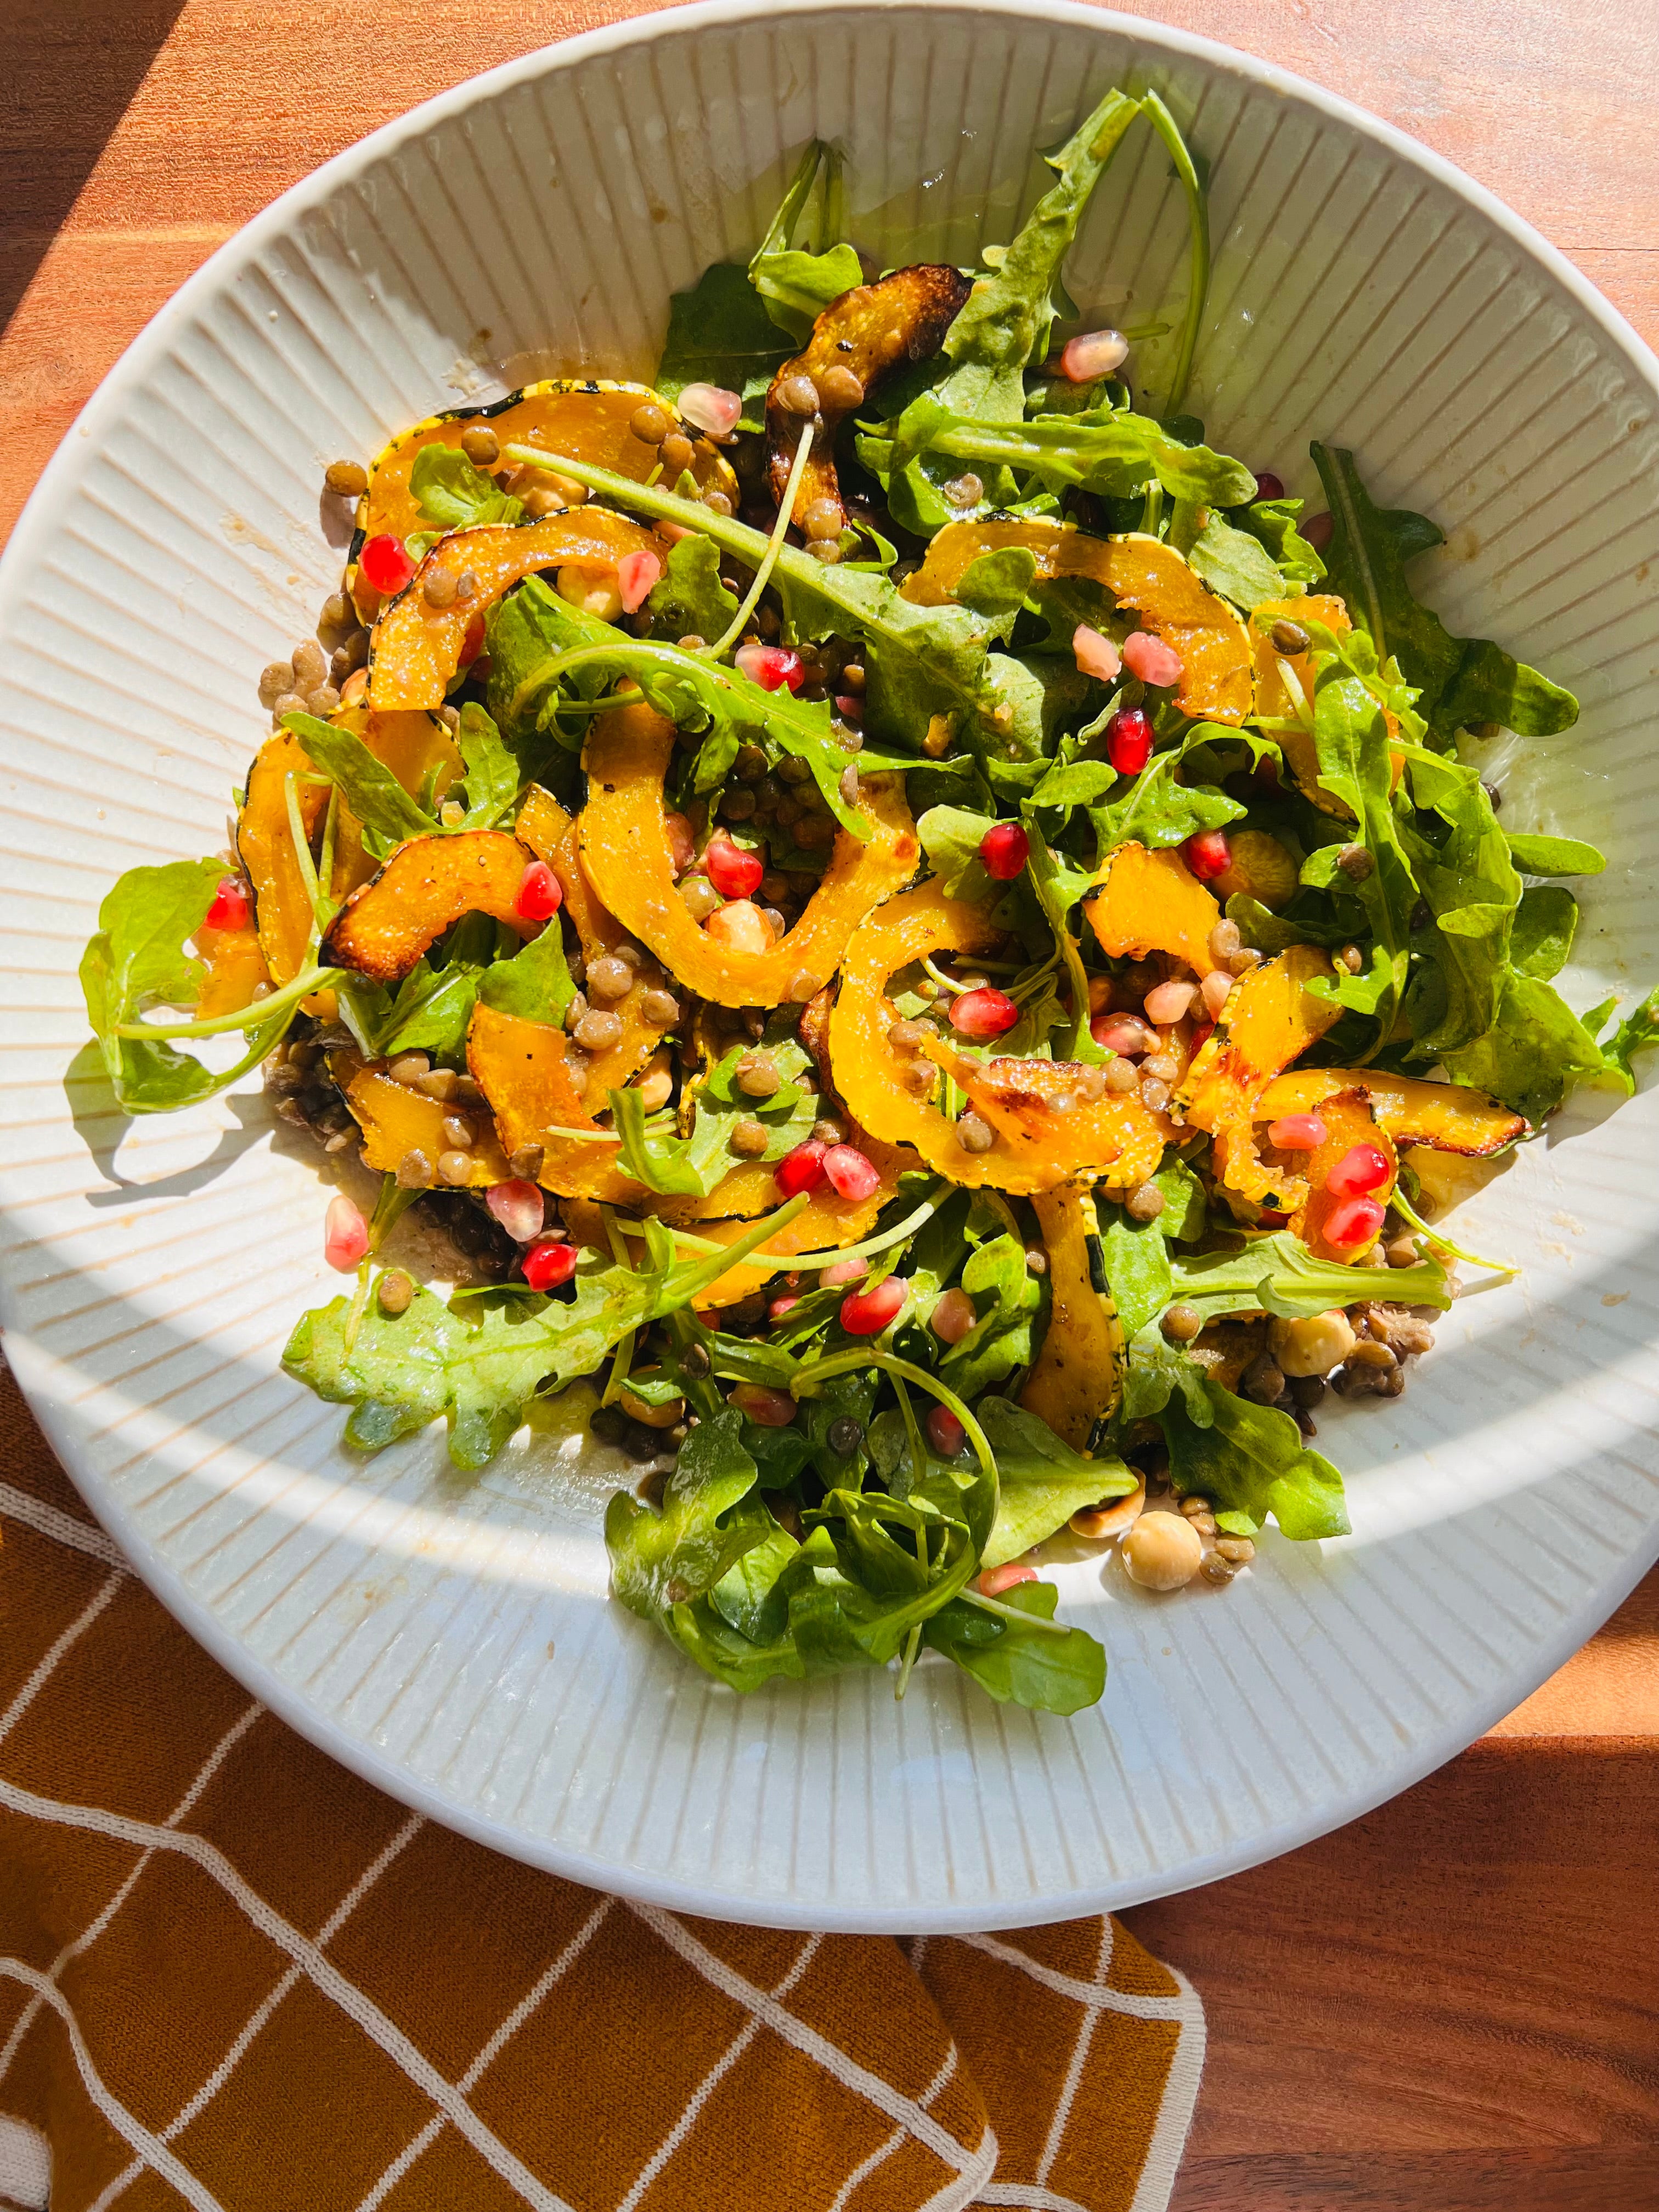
(234, 1977)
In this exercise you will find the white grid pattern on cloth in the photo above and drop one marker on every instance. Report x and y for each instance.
(1085, 2033)
(25, 2165)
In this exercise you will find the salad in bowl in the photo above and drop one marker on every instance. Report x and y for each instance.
(918, 929)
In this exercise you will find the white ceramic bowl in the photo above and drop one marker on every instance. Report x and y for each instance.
(452, 1640)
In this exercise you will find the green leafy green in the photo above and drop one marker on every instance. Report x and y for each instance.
(1111, 452)
(369, 788)
(1236, 564)
(952, 836)
(1545, 924)
(1008, 1301)
(1020, 1665)
(1553, 856)
(1460, 682)
(719, 332)
(691, 1166)
(1461, 863)
(492, 772)
(1041, 1480)
(1637, 1032)
(524, 631)
(1251, 1463)
(1535, 1051)
(796, 286)
(534, 983)
(452, 494)
(431, 1010)
(661, 1559)
(1278, 1274)
(1273, 523)
(689, 599)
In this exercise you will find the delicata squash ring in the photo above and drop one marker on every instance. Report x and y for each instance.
(1173, 601)
(625, 852)
(1152, 902)
(1046, 1134)
(426, 886)
(1447, 1117)
(1077, 1379)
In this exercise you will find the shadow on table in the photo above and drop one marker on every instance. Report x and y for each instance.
(72, 67)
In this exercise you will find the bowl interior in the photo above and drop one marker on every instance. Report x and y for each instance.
(451, 1637)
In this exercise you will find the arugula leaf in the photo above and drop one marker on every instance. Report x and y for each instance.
(661, 1559)
(1535, 1049)
(688, 599)
(996, 585)
(952, 836)
(1136, 1258)
(1273, 523)
(523, 631)
(452, 494)
(1041, 1480)
(1007, 1300)
(797, 287)
(1156, 812)
(431, 1010)
(1250, 1459)
(137, 959)
(1460, 682)
(1235, 563)
(1637, 1032)
(1553, 856)
(1472, 892)
(366, 785)
(534, 983)
(1021, 1666)
(1033, 695)
(1546, 922)
(691, 1166)
(1278, 1274)
(719, 332)
(492, 772)
(1111, 451)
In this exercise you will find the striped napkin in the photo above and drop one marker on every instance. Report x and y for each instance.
(234, 1977)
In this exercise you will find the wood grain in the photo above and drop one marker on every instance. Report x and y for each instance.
(1448, 2006)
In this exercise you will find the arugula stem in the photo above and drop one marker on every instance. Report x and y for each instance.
(1013, 1613)
(1198, 219)
(624, 1355)
(683, 1286)
(912, 1645)
(251, 1017)
(1401, 1204)
(296, 830)
(812, 1377)
(323, 906)
(912, 1434)
(1040, 868)
(735, 628)
(810, 1262)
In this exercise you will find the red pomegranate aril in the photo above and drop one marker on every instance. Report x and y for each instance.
(995, 1580)
(1319, 529)
(734, 872)
(540, 896)
(1122, 1034)
(849, 708)
(1362, 1169)
(801, 1170)
(983, 1013)
(1269, 486)
(1095, 655)
(1208, 855)
(945, 1433)
(1005, 848)
(781, 1309)
(867, 1313)
(229, 909)
(1356, 1221)
(385, 562)
(711, 407)
(849, 1173)
(1093, 354)
(1152, 661)
(472, 642)
(520, 1207)
(1297, 1133)
(771, 666)
(845, 1270)
(637, 577)
(766, 1409)
(345, 1234)
(1128, 740)
(547, 1266)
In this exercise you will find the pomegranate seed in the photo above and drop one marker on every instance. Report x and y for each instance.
(682, 845)
(540, 896)
(1319, 529)
(1151, 659)
(734, 872)
(766, 1409)
(1128, 741)
(741, 927)
(1297, 1133)
(801, 1170)
(1269, 486)
(1362, 1168)
(984, 1013)
(711, 407)
(1005, 848)
(867, 1313)
(345, 1234)
(472, 642)
(995, 1580)
(850, 1174)
(1356, 1221)
(1208, 855)
(845, 1270)
(229, 909)
(849, 708)
(385, 562)
(945, 1432)
(1167, 1002)
(1123, 1034)
(520, 1207)
(1095, 655)
(1092, 353)
(636, 578)
(771, 666)
(781, 1309)
(547, 1266)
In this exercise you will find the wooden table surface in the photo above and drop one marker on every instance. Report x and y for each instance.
(1449, 2006)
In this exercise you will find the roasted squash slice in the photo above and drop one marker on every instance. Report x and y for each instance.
(1348, 1122)
(1270, 1020)
(1240, 1168)
(1078, 1379)
(585, 419)
(281, 903)
(416, 649)
(550, 834)
(625, 851)
(1045, 1134)
(235, 969)
(1152, 902)
(1447, 1117)
(426, 886)
(1273, 701)
(1172, 600)
(397, 1121)
(871, 331)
